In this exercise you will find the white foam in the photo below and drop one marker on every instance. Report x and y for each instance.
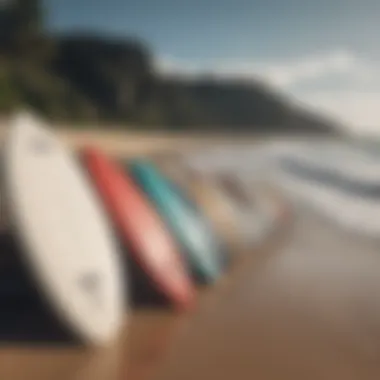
(351, 162)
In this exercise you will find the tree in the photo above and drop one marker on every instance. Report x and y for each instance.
(22, 29)
(9, 96)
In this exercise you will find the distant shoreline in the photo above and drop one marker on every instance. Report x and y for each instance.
(131, 142)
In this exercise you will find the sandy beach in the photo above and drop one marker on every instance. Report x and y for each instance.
(140, 349)
(310, 312)
(301, 307)
(306, 308)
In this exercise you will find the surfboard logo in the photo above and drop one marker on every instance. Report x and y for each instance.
(40, 145)
(90, 284)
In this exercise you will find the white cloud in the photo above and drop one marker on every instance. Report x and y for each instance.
(281, 74)
(357, 109)
(291, 73)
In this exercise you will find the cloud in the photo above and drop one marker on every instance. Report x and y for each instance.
(282, 74)
(358, 107)
(291, 73)
(358, 110)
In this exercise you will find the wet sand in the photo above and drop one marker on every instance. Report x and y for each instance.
(311, 311)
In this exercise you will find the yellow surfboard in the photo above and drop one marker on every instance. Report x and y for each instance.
(208, 196)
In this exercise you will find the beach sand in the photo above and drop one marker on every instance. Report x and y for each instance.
(148, 331)
(311, 311)
(140, 349)
(303, 307)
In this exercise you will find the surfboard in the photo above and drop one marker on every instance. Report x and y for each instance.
(200, 249)
(249, 206)
(190, 200)
(69, 247)
(141, 227)
(211, 201)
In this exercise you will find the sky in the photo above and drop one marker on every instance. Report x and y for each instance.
(323, 53)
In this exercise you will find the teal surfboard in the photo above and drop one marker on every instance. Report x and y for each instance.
(202, 219)
(201, 250)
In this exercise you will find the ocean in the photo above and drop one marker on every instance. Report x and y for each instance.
(338, 180)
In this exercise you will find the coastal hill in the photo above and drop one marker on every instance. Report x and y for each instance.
(85, 77)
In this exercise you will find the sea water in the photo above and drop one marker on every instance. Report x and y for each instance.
(338, 179)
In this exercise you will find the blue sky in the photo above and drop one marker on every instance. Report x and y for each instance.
(324, 53)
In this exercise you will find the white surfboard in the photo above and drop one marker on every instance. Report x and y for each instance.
(67, 240)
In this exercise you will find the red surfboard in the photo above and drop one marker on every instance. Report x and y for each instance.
(141, 228)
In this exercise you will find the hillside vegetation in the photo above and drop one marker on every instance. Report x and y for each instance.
(86, 77)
